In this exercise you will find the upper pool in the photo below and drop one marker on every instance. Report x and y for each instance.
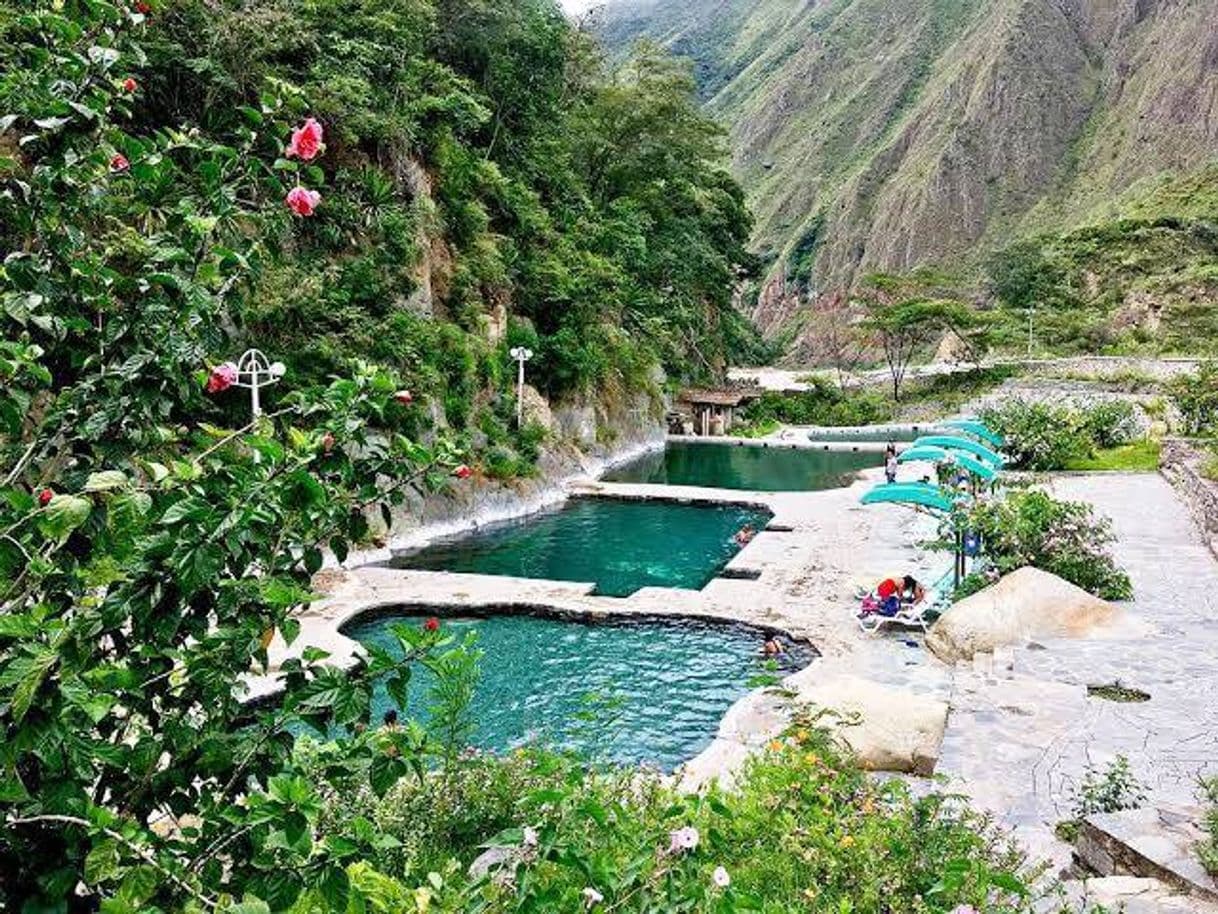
(617, 545)
(627, 692)
(774, 468)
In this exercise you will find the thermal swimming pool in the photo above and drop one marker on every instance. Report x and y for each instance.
(617, 545)
(647, 691)
(772, 468)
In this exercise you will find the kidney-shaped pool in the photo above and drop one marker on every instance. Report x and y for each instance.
(628, 692)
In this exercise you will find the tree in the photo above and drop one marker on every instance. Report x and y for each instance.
(909, 326)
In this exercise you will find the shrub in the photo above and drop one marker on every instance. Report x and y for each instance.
(804, 827)
(1196, 396)
(1062, 537)
(1045, 436)
(1039, 436)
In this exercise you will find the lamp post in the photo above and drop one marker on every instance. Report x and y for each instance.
(255, 372)
(521, 355)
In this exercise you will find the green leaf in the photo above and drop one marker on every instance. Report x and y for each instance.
(24, 675)
(386, 770)
(335, 888)
(105, 480)
(62, 515)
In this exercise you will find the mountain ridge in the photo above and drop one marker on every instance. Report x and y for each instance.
(874, 135)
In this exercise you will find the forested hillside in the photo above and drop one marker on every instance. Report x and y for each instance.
(875, 135)
(486, 182)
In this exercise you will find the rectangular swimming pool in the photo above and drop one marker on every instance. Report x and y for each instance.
(774, 468)
(620, 546)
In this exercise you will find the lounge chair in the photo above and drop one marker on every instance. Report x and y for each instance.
(914, 616)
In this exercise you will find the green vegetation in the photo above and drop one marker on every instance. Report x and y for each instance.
(1138, 457)
(1115, 691)
(824, 403)
(1044, 436)
(1111, 790)
(1208, 849)
(1065, 538)
(488, 183)
(804, 830)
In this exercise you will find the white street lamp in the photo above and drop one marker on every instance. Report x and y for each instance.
(254, 372)
(521, 355)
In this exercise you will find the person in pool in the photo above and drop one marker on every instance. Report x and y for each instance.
(773, 646)
(745, 535)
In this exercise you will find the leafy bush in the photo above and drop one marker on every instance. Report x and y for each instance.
(1046, 436)
(822, 404)
(1196, 397)
(805, 827)
(1062, 537)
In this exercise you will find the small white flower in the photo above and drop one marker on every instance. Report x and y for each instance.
(530, 837)
(721, 878)
(592, 896)
(683, 839)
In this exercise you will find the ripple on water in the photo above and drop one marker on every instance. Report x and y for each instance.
(671, 682)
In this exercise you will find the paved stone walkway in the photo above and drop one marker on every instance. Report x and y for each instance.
(1021, 734)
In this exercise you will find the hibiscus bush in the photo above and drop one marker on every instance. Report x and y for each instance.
(1066, 538)
(154, 537)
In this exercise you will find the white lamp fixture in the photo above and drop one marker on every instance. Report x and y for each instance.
(521, 355)
(255, 372)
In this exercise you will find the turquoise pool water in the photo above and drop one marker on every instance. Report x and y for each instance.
(619, 546)
(626, 692)
(728, 466)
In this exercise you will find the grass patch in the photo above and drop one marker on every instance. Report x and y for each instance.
(1115, 691)
(1140, 456)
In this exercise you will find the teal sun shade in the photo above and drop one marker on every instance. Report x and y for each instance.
(975, 428)
(913, 494)
(956, 443)
(940, 455)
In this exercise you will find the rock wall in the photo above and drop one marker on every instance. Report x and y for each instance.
(585, 438)
(1181, 463)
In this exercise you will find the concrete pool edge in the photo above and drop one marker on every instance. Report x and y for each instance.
(803, 569)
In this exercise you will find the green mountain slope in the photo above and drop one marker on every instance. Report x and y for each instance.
(888, 134)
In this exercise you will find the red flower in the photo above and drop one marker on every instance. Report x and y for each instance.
(130, 85)
(463, 472)
(302, 201)
(404, 397)
(306, 141)
(143, 8)
(222, 377)
(432, 624)
(118, 162)
(45, 496)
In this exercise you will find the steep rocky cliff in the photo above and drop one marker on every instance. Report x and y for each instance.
(887, 134)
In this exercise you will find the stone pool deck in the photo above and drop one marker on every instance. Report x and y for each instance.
(1021, 729)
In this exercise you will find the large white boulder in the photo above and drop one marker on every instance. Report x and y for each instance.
(888, 729)
(1027, 603)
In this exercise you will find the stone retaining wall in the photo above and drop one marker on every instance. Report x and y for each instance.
(1180, 463)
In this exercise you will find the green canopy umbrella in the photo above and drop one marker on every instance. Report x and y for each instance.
(941, 455)
(975, 428)
(914, 494)
(956, 443)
